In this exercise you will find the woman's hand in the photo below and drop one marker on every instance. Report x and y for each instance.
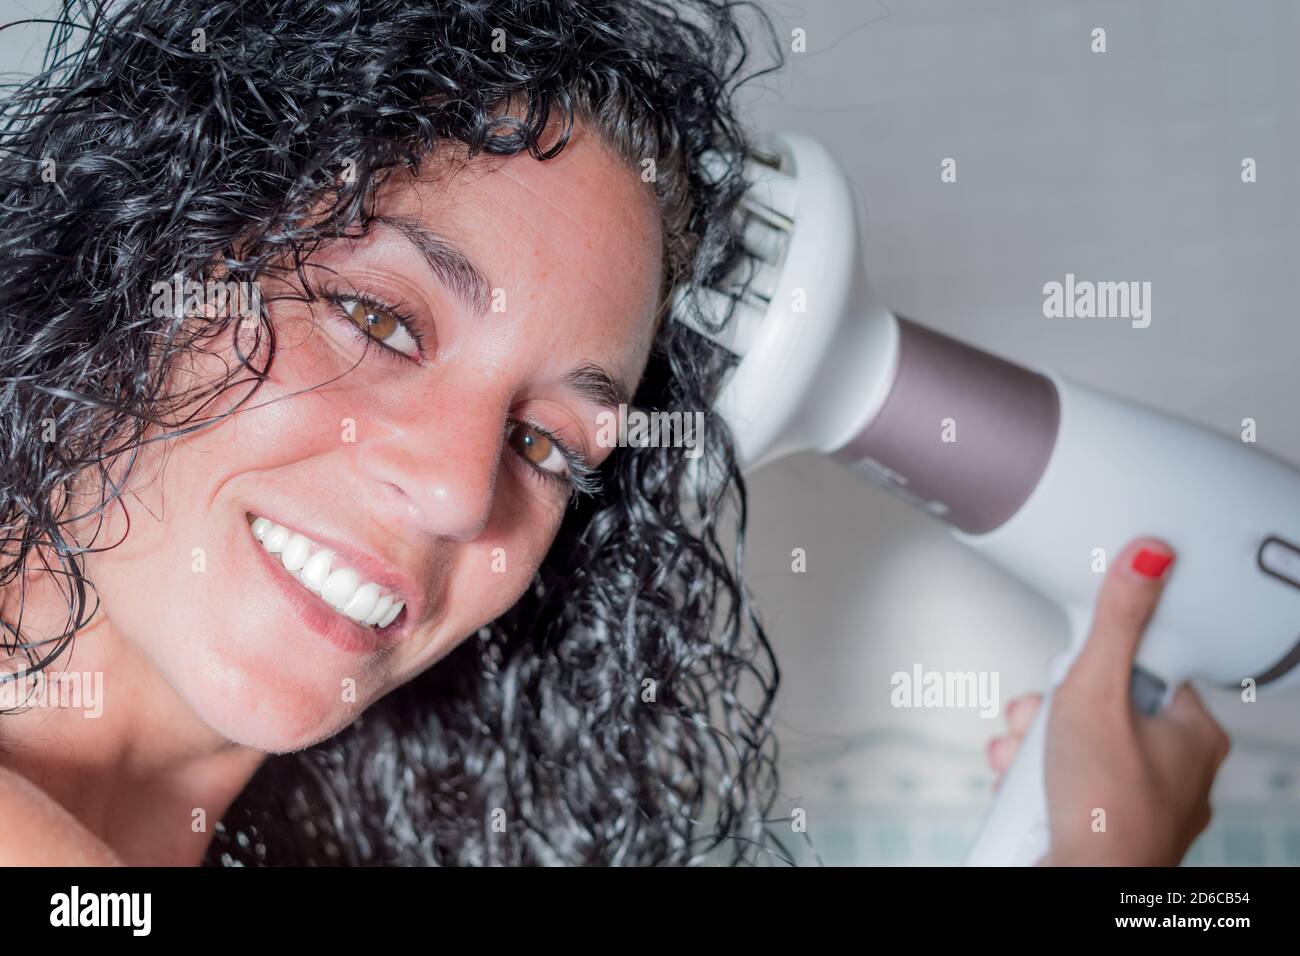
(1150, 776)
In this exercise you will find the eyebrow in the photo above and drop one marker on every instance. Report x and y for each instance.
(596, 385)
(458, 272)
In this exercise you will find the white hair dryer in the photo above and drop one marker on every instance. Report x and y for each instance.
(1043, 470)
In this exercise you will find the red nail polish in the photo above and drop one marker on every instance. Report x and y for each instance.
(1151, 564)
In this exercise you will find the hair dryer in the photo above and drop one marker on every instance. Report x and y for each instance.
(1032, 470)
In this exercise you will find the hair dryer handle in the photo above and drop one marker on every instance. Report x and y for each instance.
(1015, 830)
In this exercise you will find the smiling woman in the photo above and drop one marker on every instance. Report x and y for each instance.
(364, 583)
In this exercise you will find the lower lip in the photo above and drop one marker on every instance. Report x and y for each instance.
(323, 620)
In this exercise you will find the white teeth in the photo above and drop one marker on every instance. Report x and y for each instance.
(339, 586)
(276, 539)
(296, 553)
(393, 611)
(380, 609)
(363, 602)
(317, 570)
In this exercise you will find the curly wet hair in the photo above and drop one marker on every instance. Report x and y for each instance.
(199, 137)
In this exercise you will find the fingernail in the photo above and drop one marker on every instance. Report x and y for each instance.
(1151, 564)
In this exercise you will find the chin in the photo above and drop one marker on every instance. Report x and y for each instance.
(252, 676)
(272, 704)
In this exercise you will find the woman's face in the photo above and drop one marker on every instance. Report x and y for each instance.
(520, 278)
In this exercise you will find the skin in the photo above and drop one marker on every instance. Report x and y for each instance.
(199, 686)
(1152, 775)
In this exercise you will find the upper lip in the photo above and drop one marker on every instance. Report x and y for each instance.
(371, 565)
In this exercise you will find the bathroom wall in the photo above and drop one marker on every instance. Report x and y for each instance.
(1123, 165)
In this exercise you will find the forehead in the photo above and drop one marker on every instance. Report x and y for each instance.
(575, 239)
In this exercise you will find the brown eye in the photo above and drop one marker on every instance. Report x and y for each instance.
(374, 322)
(537, 448)
(381, 325)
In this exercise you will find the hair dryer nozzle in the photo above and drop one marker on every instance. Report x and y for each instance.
(815, 356)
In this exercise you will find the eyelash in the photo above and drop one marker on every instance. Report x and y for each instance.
(336, 298)
(581, 479)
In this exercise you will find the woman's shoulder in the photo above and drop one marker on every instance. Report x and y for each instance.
(35, 830)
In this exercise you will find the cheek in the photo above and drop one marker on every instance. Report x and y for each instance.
(489, 577)
(154, 551)
(521, 532)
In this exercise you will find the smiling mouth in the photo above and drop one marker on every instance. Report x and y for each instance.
(322, 573)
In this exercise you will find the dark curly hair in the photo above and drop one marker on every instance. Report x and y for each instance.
(207, 137)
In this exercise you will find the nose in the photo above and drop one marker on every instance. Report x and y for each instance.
(435, 468)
